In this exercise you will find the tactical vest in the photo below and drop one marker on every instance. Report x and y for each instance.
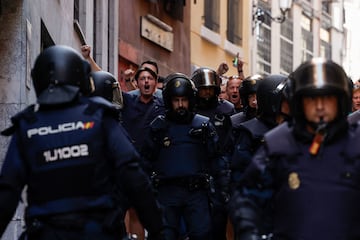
(182, 148)
(67, 166)
(316, 197)
(220, 118)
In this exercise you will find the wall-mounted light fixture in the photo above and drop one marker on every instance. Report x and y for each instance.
(260, 14)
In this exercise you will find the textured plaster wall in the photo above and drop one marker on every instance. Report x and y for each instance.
(12, 82)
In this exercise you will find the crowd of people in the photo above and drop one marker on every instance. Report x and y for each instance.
(184, 156)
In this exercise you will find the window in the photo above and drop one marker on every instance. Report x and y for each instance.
(175, 8)
(212, 14)
(264, 43)
(325, 7)
(307, 38)
(234, 22)
(264, 50)
(325, 46)
(286, 46)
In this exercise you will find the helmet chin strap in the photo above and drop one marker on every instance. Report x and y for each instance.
(320, 134)
(318, 126)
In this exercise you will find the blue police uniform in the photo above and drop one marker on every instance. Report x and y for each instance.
(311, 196)
(219, 113)
(180, 156)
(72, 159)
(250, 138)
(238, 118)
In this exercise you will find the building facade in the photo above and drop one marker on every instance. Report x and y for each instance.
(221, 29)
(156, 30)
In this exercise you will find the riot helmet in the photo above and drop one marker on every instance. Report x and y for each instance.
(178, 84)
(59, 75)
(206, 77)
(107, 86)
(319, 77)
(207, 83)
(249, 86)
(269, 96)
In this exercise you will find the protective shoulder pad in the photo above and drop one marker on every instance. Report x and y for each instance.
(98, 102)
(199, 120)
(226, 107)
(27, 114)
(237, 119)
(255, 127)
(158, 123)
(280, 141)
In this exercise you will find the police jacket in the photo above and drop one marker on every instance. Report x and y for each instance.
(238, 118)
(251, 134)
(219, 114)
(180, 149)
(71, 158)
(312, 196)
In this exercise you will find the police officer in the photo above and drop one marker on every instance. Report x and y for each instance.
(107, 86)
(219, 111)
(180, 150)
(250, 133)
(307, 171)
(72, 154)
(247, 90)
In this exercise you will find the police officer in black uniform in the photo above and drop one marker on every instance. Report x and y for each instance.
(251, 132)
(180, 151)
(247, 91)
(72, 154)
(219, 111)
(108, 87)
(307, 170)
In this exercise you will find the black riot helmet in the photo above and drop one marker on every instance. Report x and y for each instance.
(206, 77)
(269, 96)
(249, 86)
(59, 75)
(107, 86)
(316, 77)
(178, 84)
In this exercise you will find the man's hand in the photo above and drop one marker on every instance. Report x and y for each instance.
(129, 73)
(222, 69)
(85, 51)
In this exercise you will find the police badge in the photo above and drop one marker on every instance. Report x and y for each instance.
(166, 142)
(294, 181)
